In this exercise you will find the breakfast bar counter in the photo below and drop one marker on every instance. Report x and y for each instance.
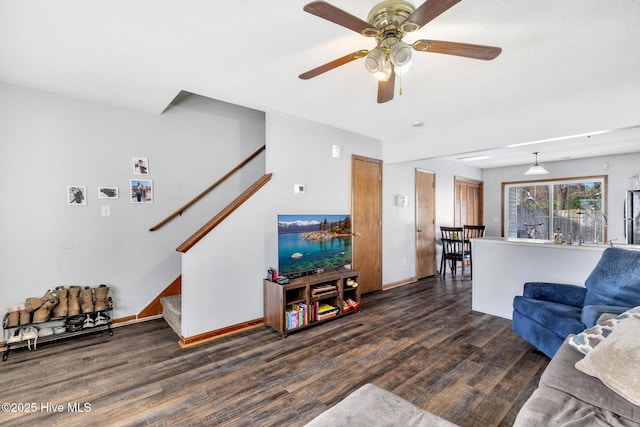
(501, 266)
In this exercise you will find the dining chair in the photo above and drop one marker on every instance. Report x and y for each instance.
(471, 232)
(452, 249)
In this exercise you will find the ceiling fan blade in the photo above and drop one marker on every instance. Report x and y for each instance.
(334, 64)
(338, 16)
(426, 12)
(385, 89)
(459, 49)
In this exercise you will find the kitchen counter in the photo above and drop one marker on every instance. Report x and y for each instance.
(501, 267)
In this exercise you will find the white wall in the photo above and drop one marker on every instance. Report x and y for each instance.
(222, 275)
(398, 254)
(50, 141)
(619, 172)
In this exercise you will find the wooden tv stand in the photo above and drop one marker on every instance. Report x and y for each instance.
(304, 299)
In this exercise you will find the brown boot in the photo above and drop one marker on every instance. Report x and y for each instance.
(42, 314)
(32, 303)
(87, 300)
(62, 308)
(25, 316)
(72, 302)
(13, 319)
(102, 301)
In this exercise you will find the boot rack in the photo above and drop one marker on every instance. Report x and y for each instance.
(65, 322)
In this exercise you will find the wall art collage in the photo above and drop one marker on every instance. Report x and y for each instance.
(140, 187)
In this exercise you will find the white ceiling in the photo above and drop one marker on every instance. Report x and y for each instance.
(569, 67)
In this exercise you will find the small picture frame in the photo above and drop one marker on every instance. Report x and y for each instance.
(141, 191)
(76, 195)
(140, 166)
(107, 192)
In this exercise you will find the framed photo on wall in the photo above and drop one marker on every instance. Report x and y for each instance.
(141, 191)
(107, 192)
(140, 166)
(76, 195)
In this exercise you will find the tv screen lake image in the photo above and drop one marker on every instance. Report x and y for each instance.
(310, 242)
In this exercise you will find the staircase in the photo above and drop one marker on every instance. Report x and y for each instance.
(172, 303)
(172, 312)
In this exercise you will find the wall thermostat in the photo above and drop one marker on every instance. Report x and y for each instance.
(335, 151)
(298, 188)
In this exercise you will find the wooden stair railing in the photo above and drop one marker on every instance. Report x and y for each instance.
(208, 189)
(195, 238)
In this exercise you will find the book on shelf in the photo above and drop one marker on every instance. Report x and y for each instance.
(325, 311)
(325, 307)
(328, 315)
(291, 317)
(301, 309)
(313, 315)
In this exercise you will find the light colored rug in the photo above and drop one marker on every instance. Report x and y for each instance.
(373, 406)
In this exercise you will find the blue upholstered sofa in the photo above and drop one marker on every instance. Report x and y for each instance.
(547, 313)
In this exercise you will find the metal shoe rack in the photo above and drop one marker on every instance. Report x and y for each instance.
(69, 331)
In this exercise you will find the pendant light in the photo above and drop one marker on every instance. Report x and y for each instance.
(536, 169)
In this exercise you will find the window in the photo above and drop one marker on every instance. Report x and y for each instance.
(574, 208)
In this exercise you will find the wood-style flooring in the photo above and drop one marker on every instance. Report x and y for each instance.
(421, 341)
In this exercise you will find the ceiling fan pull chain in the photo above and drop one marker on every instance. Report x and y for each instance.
(400, 90)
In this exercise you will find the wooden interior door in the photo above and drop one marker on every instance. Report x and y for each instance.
(468, 196)
(425, 224)
(366, 218)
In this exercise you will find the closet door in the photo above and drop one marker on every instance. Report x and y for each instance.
(425, 224)
(366, 214)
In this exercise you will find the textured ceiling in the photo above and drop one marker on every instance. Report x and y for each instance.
(568, 67)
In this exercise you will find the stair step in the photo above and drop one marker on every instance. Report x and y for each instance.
(172, 312)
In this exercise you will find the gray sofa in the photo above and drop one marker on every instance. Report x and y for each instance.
(565, 396)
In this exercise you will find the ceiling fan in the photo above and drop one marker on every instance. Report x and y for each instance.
(388, 22)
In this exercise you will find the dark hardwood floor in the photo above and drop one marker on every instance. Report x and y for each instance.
(420, 341)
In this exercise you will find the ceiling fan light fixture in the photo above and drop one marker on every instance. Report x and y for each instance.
(400, 54)
(536, 169)
(384, 74)
(375, 60)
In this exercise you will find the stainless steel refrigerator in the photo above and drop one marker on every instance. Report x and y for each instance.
(632, 217)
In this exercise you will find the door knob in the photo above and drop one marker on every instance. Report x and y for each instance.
(419, 230)
(357, 234)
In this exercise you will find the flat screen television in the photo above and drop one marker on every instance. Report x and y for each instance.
(313, 243)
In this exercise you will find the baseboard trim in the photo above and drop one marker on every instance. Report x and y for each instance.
(125, 320)
(400, 283)
(130, 320)
(186, 342)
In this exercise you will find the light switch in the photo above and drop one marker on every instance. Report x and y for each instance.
(106, 210)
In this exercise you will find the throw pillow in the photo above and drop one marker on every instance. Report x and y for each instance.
(616, 361)
(588, 339)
